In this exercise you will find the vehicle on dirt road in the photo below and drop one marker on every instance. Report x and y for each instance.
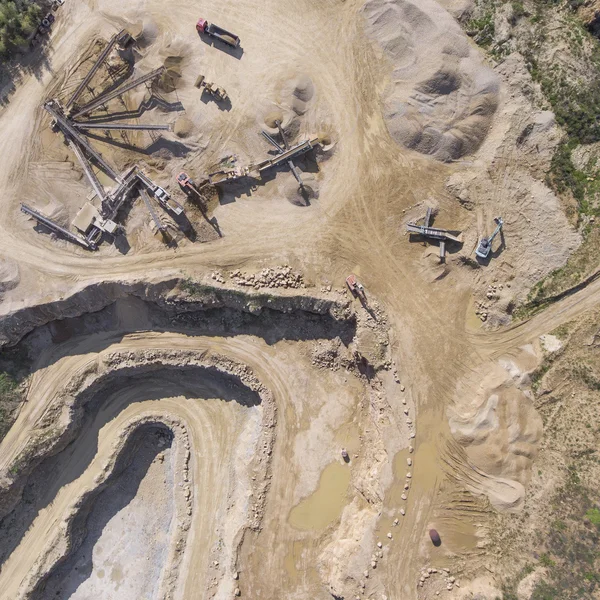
(48, 20)
(203, 26)
(213, 89)
(356, 288)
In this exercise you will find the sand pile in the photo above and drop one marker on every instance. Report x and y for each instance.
(272, 117)
(171, 76)
(304, 90)
(183, 127)
(289, 122)
(144, 33)
(302, 196)
(442, 98)
(499, 430)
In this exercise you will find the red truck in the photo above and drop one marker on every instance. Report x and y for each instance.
(203, 26)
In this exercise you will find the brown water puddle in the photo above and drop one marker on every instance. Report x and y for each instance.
(326, 503)
(472, 321)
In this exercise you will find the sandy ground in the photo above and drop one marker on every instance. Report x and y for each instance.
(317, 525)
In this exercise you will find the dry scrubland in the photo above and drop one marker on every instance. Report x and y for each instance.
(172, 417)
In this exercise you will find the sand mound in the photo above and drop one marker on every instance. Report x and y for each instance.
(499, 430)
(289, 122)
(432, 268)
(176, 50)
(171, 76)
(326, 149)
(442, 98)
(304, 88)
(302, 197)
(271, 118)
(297, 94)
(145, 33)
(9, 274)
(183, 127)
(299, 106)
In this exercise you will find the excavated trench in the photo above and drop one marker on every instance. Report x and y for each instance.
(64, 440)
(103, 402)
(96, 526)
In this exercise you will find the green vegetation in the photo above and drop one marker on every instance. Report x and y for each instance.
(9, 400)
(570, 82)
(14, 367)
(538, 374)
(213, 293)
(571, 547)
(593, 516)
(562, 331)
(586, 375)
(18, 20)
(482, 29)
(574, 94)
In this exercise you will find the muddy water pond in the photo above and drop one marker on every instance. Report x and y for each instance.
(326, 503)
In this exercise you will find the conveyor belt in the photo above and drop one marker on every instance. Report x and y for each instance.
(432, 232)
(109, 126)
(68, 129)
(87, 169)
(92, 72)
(50, 224)
(88, 108)
(301, 148)
(151, 210)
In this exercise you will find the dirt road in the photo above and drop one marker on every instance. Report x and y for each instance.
(366, 187)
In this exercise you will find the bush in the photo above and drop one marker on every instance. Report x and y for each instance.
(593, 516)
(18, 20)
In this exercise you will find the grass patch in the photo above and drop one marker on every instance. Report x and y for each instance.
(587, 376)
(593, 516)
(570, 547)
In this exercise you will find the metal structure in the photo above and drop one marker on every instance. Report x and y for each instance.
(87, 169)
(441, 235)
(485, 244)
(286, 154)
(155, 217)
(356, 289)
(58, 229)
(55, 110)
(99, 62)
(107, 96)
(161, 195)
(214, 90)
(91, 221)
(118, 126)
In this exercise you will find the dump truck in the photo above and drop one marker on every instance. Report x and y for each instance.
(203, 26)
(356, 288)
(211, 88)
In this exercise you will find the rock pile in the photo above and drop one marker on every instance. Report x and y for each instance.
(278, 277)
(449, 581)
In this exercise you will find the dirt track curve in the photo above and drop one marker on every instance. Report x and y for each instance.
(249, 399)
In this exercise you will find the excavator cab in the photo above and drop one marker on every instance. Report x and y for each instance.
(485, 244)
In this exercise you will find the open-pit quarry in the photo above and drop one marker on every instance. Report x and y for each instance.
(211, 413)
